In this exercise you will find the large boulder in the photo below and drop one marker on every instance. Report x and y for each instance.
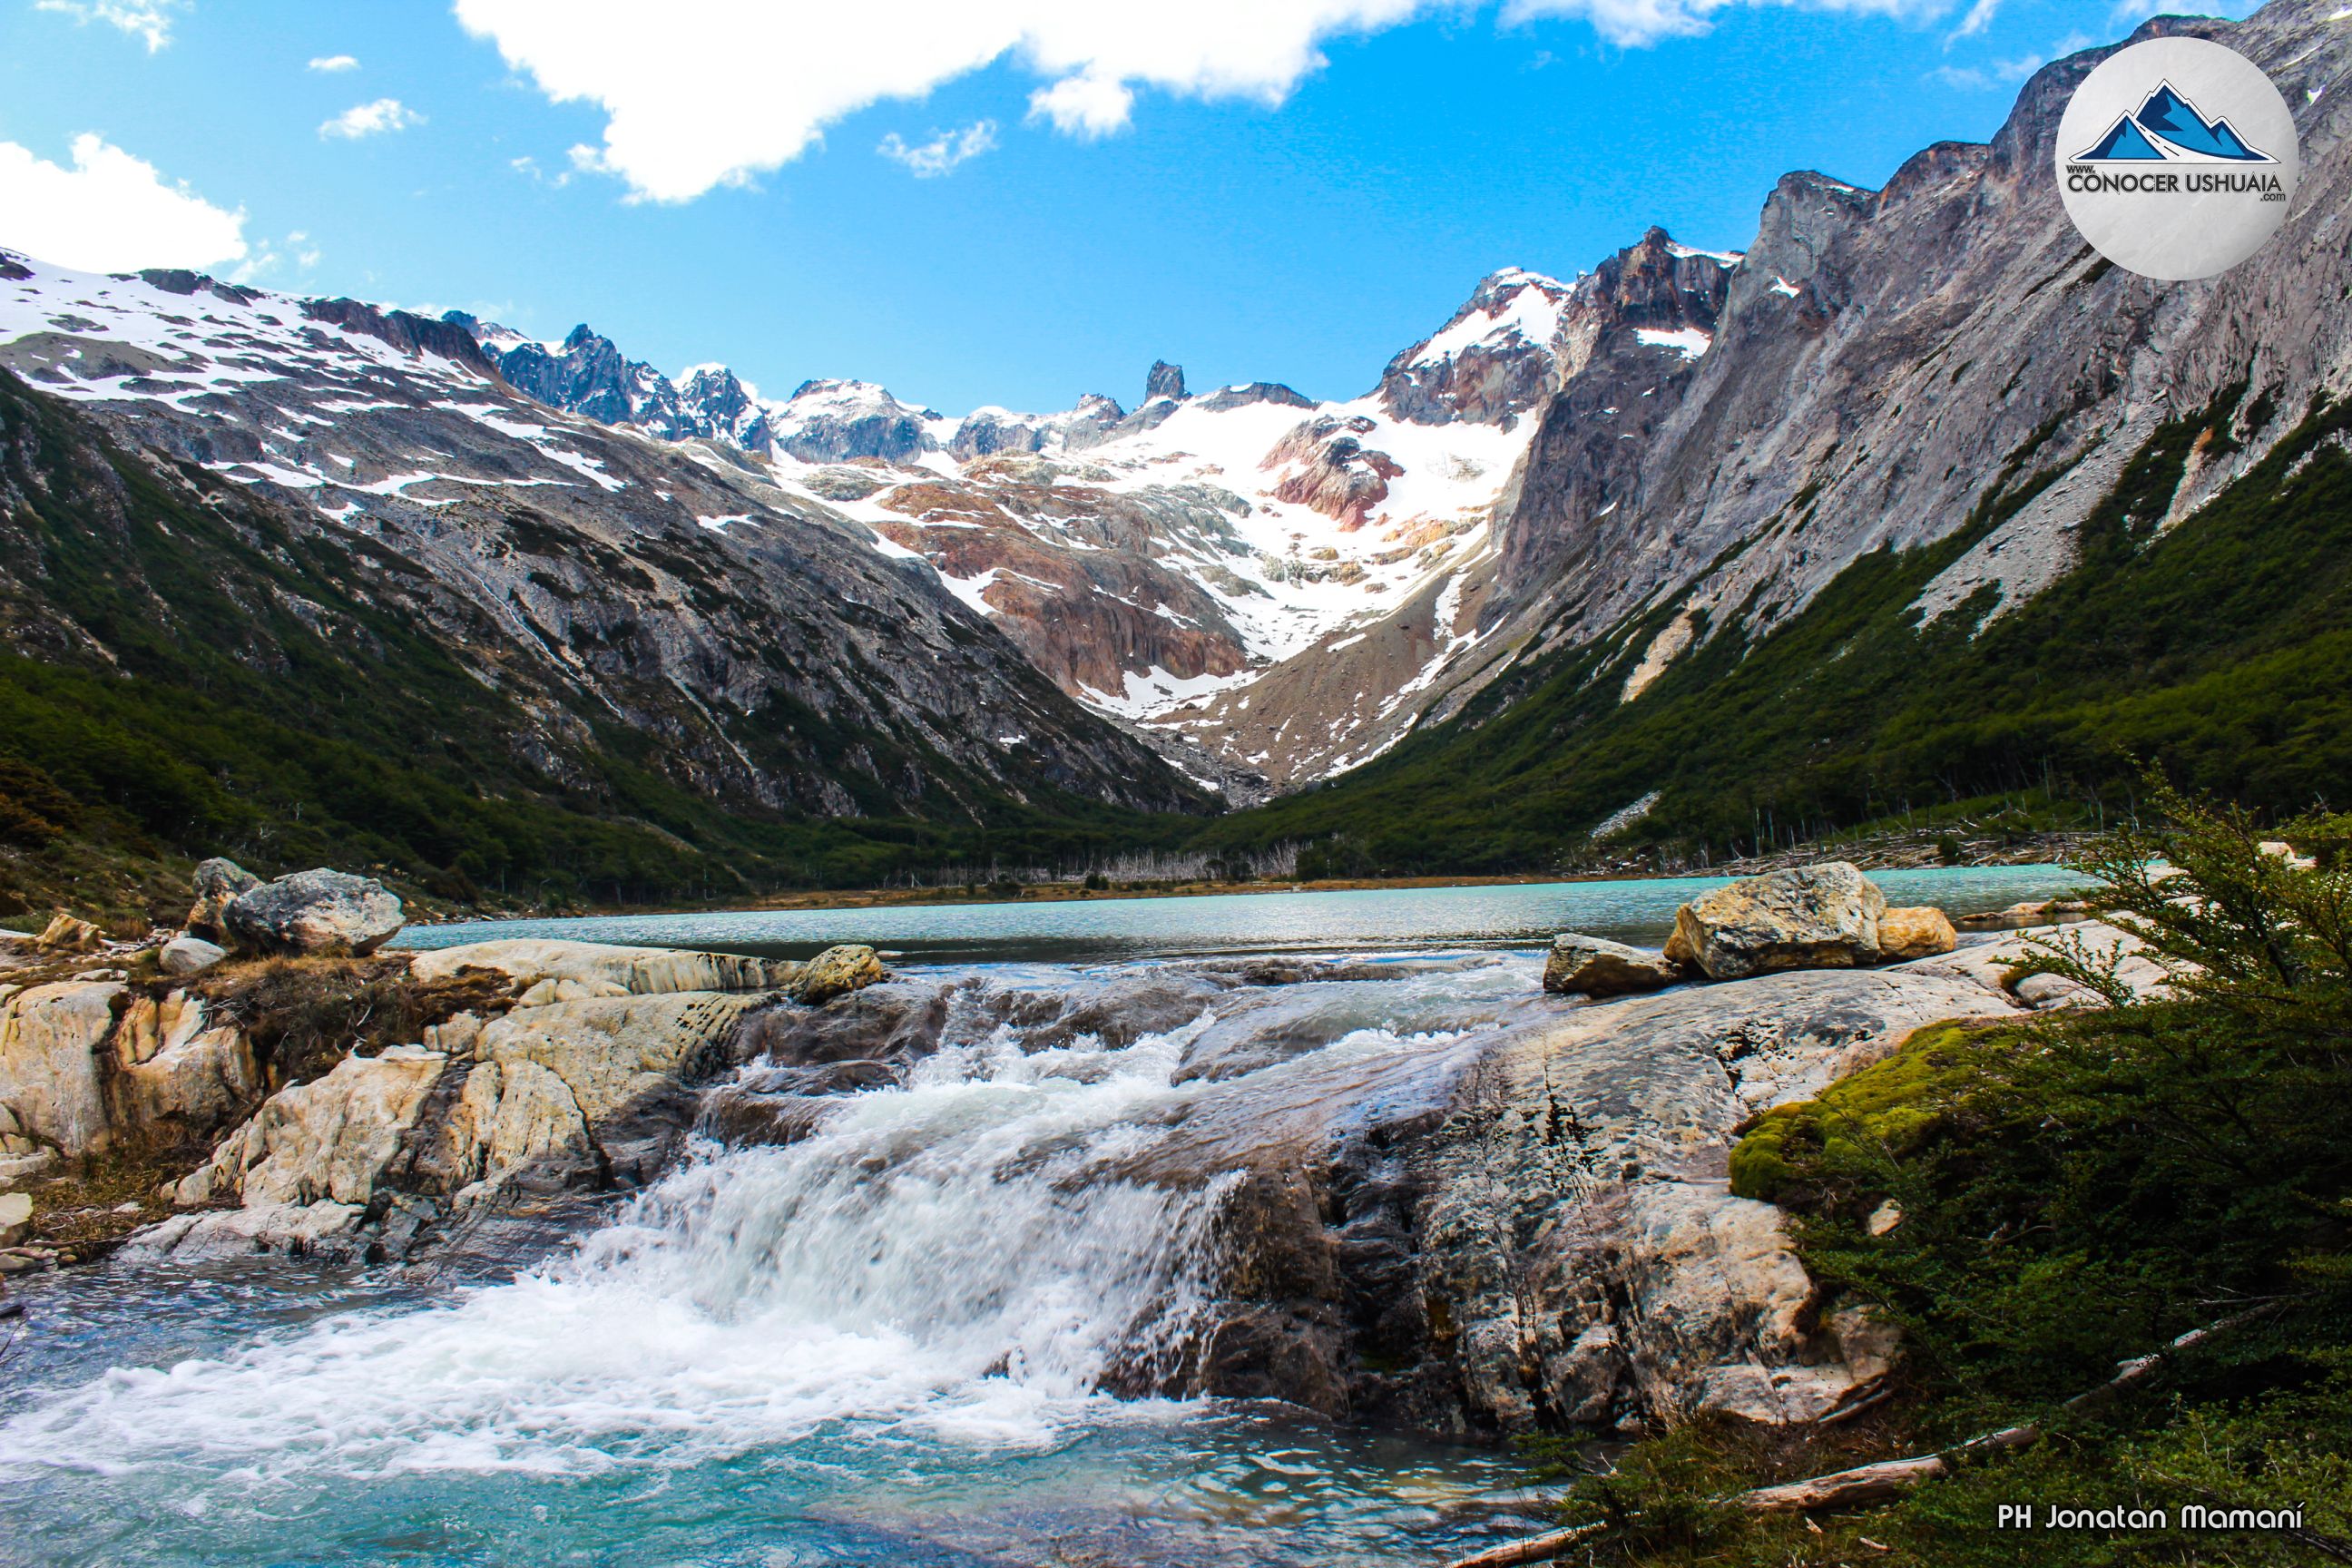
(543, 1101)
(573, 1094)
(1917, 931)
(50, 1074)
(1811, 917)
(219, 883)
(1596, 967)
(182, 1072)
(1530, 1223)
(837, 971)
(325, 1141)
(314, 912)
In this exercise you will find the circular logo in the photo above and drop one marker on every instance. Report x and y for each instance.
(2177, 158)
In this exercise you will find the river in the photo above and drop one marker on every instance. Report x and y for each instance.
(884, 1343)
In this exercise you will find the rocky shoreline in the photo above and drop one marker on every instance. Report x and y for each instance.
(1522, 1222)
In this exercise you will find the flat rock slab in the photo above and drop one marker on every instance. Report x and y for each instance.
(633, 970)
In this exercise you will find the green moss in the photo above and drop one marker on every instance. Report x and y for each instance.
(1889, 1110)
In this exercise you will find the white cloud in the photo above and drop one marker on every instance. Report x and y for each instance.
(372, 119)
(1984, 78)
(944, 152)
(109, 213)
(335, 63)
(149, 20)
(700, 94)
(1978, 18)
(1084, 105)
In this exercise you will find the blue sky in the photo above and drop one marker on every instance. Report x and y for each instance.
(1247, 212)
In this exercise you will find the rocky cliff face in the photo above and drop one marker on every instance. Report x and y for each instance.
(1886, 365)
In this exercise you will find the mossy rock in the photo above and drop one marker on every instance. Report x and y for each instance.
(1890, 1108)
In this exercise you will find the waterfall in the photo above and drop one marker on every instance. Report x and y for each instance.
(940, 1258)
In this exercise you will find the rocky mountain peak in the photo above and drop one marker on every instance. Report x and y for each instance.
(1490, 362)
(1658, 284)
(1165, 379)
(833, 421)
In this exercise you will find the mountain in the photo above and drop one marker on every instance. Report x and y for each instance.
(254, 540)
(1916, 498)
(1947, 509)
(1199, 566)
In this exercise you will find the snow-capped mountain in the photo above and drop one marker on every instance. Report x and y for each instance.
(1171, 564)
(767, 651)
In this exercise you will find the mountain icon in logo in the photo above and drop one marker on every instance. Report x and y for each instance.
(2169, 129)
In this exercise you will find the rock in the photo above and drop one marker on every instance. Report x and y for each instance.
(2044, 993)
(67, 934)
(1596, 967)
(1812, 917)
(1164, 380)
(1885, 1218)
(322, 1142)
(532, 962)
(784, 1105)
(181, 1075)
(564, 988)
(580, 1092)
(17, 1169)
(1988, 962)
(317, 910)
(218, 884)
(1529, 1222)
(2036, 913)
(2281, 849)
(50, 1076)
(185, 955)
(837, 971)
(1914, 931)
(897, 1022)
(15, 1218)
(1131, 1005)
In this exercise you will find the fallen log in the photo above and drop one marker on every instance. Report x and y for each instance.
(1533, 1549)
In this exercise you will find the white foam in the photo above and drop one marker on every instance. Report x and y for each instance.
(938, 1259)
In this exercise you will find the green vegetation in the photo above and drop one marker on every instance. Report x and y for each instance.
(2075, 1192)
(184, 674)
(2221, 650)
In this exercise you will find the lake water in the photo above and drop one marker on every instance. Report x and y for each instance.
(1110, 929)
(881, 1344)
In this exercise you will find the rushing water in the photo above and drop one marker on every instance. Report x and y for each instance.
(1096, 930)
(884, 1343)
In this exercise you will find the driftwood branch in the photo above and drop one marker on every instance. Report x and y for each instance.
(1888, 1478)
(1533, 1549)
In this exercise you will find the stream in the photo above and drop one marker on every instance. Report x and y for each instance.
(888, 1343)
